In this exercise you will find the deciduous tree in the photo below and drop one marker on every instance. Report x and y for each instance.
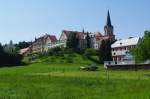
(142, 52)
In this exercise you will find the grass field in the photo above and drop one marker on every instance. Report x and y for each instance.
(66, 81)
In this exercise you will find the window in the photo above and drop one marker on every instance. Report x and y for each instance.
(114, 53)
(127, 52)
(125, 48)
(120, 48)
(116, 49)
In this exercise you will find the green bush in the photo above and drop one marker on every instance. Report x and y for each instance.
(90, 52)
(69, 59)
(56, 52)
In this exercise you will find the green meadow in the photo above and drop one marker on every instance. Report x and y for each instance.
(67, 81)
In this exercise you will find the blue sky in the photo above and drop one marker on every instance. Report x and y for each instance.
(26, 19)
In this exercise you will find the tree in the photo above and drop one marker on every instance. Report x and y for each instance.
(23, 44)
(102, 52)
(10, 48)
(90, 52)
(142, 52)
(1, 54)
(57, 51)
(72, 41)
(105, 51)
(9, 58)
(1, 48)
(88, 40)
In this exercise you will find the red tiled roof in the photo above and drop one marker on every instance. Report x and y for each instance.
(43, 38)
(99, 36)
(23, 51)
(80, 35)
(67, 32)
(53, 38)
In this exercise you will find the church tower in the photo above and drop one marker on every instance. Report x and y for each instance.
(108, 28)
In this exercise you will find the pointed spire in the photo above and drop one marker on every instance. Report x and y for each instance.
(83, 30)
(108, 23)
(108, 28)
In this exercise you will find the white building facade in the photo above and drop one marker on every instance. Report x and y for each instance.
(121, 49)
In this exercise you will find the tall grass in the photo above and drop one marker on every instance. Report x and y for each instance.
(66, 81)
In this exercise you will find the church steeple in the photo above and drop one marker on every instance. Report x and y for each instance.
(108, 23)
(108, 28)
(83, 31)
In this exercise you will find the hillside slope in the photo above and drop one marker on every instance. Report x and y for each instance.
(66, 58)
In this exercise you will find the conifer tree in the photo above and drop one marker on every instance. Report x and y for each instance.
(72, 41)
(88, 40)
(105, 51)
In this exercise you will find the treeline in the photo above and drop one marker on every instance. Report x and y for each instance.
(22, 44)
(9, 53)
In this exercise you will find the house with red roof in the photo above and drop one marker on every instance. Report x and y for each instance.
(80, 35)
(43, 43)
(25, 51)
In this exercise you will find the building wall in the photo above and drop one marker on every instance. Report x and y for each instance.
(63, 37)
(40, 45)
(37, 47)
(119, 53)
(95, 43)
(47, 44)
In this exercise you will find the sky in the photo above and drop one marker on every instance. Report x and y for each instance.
(26, 19)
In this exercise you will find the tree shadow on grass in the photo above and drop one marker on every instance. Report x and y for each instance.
(14, 65)
(94, 60)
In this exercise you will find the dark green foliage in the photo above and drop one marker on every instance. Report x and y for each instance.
(9, 59)
(61, 55)
(73, 41)
(69, 51)
(1, 54)
(1, 48)
(56, 51)
(64, 54)
(90, 52)
(53, 52)
(69, 58)
(23, 44)
(142, 51)
(105, 51)
(12, 59)
(88, 40)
